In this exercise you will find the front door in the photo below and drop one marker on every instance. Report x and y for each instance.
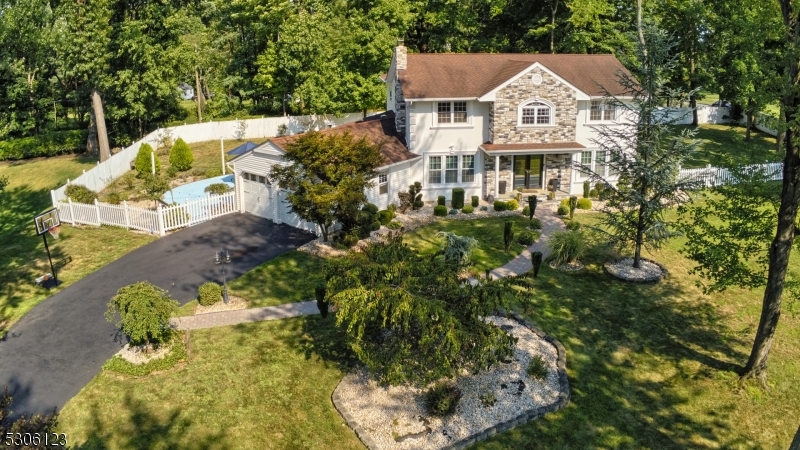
(528, 171)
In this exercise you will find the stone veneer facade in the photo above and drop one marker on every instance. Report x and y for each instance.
(556, 166)
(401, 62)
(506, 109)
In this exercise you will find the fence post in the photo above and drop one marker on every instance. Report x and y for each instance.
(127, 215)
(160, 212)
(53, 197)
(208, 206)
(71, 211)
(97, 209)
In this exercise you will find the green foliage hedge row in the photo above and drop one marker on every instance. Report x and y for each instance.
(49, 144)
(176, 354)
(80, 193)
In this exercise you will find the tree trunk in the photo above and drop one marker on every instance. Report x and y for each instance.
(748, 121)
(780, 250)
(201, 100)
(324, 229)
(795, 445)
(100, 124)
(92, 146)
(637, 252)
(554, 9)
(693, 105)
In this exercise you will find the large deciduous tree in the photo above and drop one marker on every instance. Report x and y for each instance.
(645, 153)
(411, 319)
(326, 176)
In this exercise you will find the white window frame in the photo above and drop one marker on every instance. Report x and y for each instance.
(452, 114)
(467, 171)
(432, 171)
(383, 183)
(451, 170)
(603, 109)
(536, 104)
(582, 159)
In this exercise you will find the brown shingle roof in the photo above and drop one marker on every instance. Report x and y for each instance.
(547, 146)
(468, 75)
(379, 130)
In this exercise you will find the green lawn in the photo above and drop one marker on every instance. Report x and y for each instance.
(723, 144)
(489, 233)
(263, 385)
(22, 253)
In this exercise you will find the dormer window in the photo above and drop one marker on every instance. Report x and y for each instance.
(602, 111)
(536, 113)
(451, 113)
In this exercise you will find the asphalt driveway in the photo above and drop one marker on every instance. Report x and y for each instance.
(62, 343)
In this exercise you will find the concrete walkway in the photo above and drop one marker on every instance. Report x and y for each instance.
(522, 263)
(224, 318)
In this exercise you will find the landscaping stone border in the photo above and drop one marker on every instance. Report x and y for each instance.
(525, 416)
(652, 280)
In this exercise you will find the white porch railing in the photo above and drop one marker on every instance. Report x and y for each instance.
(158, 221)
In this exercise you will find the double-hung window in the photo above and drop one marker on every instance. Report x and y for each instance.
(467, 168)
(451, 112)
(601, 110)
(586, 161)
(383, 183)
(451, 169)
(600, 163)
(435, 169)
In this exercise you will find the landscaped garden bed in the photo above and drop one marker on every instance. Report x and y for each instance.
(395, 417)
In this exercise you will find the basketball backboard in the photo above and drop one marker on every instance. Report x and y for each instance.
(46, 220)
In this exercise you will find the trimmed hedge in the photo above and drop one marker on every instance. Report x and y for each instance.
(467, 209)
(80, 193)
(209, 293)
(441, 200)
(440, 210)
(562, 210)
(512, 205)
(500, 205)
(584, 203)
(370, 208)
(525, 238)
(48, 144)
(458, 198)
(475, 201)
(536, 224)
(526, 211)
(176, 354)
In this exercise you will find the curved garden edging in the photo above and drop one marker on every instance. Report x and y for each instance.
(523, 417)
(652, 280)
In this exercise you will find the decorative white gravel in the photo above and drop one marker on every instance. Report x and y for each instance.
(233, 304)
(574, 266)
(394, 417)
(137, 355)
(623, 268)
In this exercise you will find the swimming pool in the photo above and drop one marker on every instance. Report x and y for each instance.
(195, 191)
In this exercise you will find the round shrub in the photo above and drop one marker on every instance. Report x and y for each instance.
(536, 224)
(573, 226)
(172, 171)
(500, 205)
(370, 208)
(442, 399)
(512, 205)
(115, 198)
(385, 216)
(453, 212)
(142, 163)
(525, 238)
(526, 211)
(594, 193)
(80, 193)
(563, 210)
(375, 226)
(180, 157)
(475, 201)
(418, 204)
(394, 225)
(440, 210)
(564, 202)
(467, 209)
(349, 240)
(484, 208)
(584, 203)
(566, 246)
(209, 293)
(217, 189)
(441, 201)
(211, 173)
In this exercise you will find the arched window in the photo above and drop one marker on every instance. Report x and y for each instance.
(536, 112)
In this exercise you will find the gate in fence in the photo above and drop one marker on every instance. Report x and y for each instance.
(159, 221)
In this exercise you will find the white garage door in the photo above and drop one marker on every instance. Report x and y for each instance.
(257, 197)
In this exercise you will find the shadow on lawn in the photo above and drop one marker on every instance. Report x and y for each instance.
(146, 430)
(635, 357)
(319, 339)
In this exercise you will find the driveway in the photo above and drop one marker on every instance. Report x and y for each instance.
(62, 343)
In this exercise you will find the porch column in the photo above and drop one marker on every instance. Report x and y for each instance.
(496, 176)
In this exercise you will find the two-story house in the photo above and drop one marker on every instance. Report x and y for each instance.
(496, 123)
(492, 124)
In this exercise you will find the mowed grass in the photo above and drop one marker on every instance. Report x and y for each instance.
(721, 145)
(288, 278)
(263, 385)
(653, 366)
(22, 253)
(490, 253)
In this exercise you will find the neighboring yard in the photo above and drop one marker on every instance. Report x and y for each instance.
(488, 232)
(263, 385)
(724, 144)
(650, 366)
(22, 253)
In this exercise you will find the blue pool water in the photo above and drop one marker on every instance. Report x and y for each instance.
(196, 190)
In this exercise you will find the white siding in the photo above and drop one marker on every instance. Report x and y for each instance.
(425, 135)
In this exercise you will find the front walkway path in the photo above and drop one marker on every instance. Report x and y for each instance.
(223, 318)
(522, 263)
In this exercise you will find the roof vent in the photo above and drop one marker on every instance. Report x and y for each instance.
(537, 79)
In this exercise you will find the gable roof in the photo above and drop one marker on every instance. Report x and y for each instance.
(378, 129)
(471, 75)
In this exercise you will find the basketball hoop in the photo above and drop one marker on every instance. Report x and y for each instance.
(54, 231)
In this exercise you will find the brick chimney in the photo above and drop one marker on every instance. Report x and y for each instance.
(400, 56)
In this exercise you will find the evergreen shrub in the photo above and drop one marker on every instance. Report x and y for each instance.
(442, 399)
(536, 224)
(467, 209)
(458, 198)
(562, 210)
(500, 205)
(584, 203)
(80, 193)
(217, 189)
(209, 293)
(512, 205)
(142, 163)
(475, 201)
(181, 156)
(441, 200)
(440, 210)
(525, 238)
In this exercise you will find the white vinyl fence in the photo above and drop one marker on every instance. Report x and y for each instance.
(716, 176)
(104, 173)
(158, 221)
